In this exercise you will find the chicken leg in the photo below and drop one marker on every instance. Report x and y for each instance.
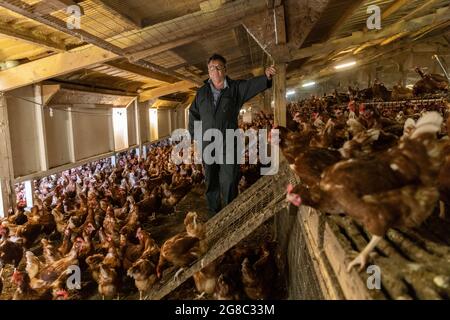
(200, 296)
(177, 274)
(361, 259)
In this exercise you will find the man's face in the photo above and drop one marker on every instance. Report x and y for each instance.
(217, 71)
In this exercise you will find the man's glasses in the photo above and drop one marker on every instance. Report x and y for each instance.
(218, 68)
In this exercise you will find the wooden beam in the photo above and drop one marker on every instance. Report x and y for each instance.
(6, 162)
(393, 8)
(279, 94)
(361, 38)
(280, 25)
(348, 12)
(144, 72)
(76, 97)
(13, 32)
(40, 125)
(48, 91)
(413, 13)
(70, 135)
(134, 55)
(123, 11)
(262, 28)
(321, 70)
(193, 75)
(53, 66)
(165, 90)
(22, 8)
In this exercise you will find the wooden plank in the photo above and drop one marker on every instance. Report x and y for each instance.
(164, 90)
(351, 283)
(262, 28)
(12, 32)
(360, 38)
(279, 93)
(22, 8)
(280, 25)
(143, 72)
(136, 53)
(348, 12)
(313, 232)
(413, 13)
(393, 8)
(53, 66)
(48, 91)
(40, 125)
(70, 135)
(6, 163)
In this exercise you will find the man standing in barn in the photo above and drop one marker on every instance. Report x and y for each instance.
(216, 106)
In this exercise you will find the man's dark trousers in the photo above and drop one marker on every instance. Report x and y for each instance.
(221, 180)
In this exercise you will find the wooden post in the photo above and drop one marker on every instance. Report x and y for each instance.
(40, 124)
(7, 198)
(267, 101)
(279, 93)
(70, 137)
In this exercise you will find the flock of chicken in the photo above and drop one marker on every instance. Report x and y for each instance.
(93, 219)
(428, 86)
(385, 166)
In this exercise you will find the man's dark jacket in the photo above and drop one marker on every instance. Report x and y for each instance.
(225, 114)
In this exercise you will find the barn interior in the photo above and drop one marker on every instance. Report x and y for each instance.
(92, 90)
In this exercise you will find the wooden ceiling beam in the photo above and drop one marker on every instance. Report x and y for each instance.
(393, 8)
(53, 66)
(348, 12)
(280, 25)
(265, 28)
(164, 90)
(144, 72)
(362, 38)
(322, 69)
(12, 32)
(22, 8)
(136, 53)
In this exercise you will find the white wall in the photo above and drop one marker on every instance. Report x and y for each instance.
(23, 131)
(57, 135)
(92, 132)
(181, 117)
(164, 119)
(144, 121)
(174, 119)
